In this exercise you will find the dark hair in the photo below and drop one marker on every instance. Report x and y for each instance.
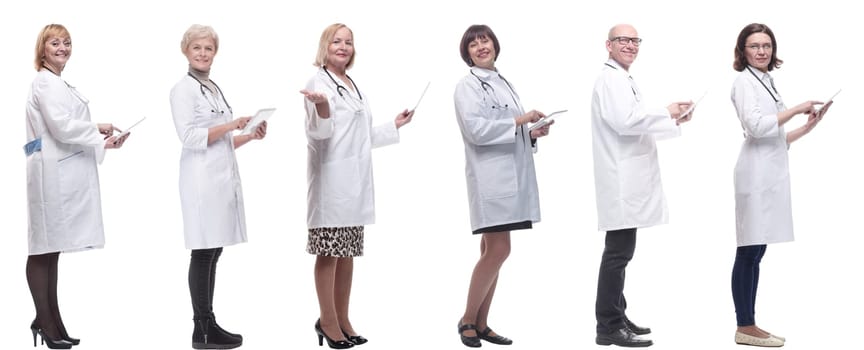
(472, 33)
(741, 60)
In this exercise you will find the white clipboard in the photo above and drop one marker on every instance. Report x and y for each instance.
(543, 122)
(125, 132)
(260, 116)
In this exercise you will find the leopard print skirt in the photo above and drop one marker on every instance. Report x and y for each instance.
(339, 242)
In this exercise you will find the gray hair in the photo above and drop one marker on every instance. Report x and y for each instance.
(198, 31)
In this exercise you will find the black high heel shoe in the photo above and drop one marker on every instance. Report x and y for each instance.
(356, 339)
(51, 343)
(67, 338)
(333, 344)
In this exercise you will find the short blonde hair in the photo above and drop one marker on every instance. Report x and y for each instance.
(324, 44)
(198, 31)
(51, 30)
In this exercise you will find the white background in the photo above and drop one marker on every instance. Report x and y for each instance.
(410, 288)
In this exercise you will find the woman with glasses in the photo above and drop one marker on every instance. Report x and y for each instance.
(763, 209)
(340, 199)
(210, 192)
(499, 170)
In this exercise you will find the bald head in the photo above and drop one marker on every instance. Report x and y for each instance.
(623, 44)
(622, 30)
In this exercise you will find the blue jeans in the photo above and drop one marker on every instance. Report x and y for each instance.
(745, 280)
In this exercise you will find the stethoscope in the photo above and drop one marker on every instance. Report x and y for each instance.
(777, 101)
(216, 105)
(636, 95)
(489, 90)
(339, 87)
(496, 104)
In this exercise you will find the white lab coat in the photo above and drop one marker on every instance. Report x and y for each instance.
(763, 204)
(339, 163)
(64, 204)
(626, 170)
(210, 192)
(499, 159)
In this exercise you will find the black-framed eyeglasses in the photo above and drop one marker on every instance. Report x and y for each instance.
(624, 40)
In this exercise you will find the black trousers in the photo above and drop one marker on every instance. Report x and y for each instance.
(202, 279)
(610, 306)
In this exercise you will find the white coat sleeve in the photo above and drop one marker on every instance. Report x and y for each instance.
(615, 99)
(183, 111)
(316, 127)
(55, 103)
(755, 123)
(383, 134)
(477, 125)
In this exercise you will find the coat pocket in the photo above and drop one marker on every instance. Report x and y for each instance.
(638, 177)
(497, 177)
(341, 179)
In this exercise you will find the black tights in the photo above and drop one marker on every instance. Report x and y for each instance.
(42, 279)
(202, 280)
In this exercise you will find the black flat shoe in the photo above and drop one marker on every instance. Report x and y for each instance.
(636, 329)
(471, 342)
(623, 337)
(494, 339)
(355, 339)
(333, 344)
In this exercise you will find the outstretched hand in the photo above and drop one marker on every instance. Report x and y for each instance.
(314, 97)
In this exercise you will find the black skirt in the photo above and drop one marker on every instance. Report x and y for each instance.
(524, 225)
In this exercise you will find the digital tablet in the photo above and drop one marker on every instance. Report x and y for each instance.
(819, 108)
(693, 105)
(545, 121)
(262, 115)
(124, 132)
(421, 96)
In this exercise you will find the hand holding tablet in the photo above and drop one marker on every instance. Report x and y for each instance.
(262, 115)
(693, 106)
(126, 132)
(819, 108)
(545, 121)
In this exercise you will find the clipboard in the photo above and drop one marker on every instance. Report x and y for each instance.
(126, 132)
(260, 116)
(543, 122)
(693, 106)
(421, 96)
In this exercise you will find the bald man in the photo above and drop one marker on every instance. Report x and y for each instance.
(627, 178)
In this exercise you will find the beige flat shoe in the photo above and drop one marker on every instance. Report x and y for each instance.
(783, 339)
(771, 341)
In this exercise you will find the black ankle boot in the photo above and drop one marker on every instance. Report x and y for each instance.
(220, 329)
(207, 335)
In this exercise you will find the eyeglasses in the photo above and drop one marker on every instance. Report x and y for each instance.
(624, 40)
(756, 47)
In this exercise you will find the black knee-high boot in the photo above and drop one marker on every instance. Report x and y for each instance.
(213, 288)
(207, 335)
